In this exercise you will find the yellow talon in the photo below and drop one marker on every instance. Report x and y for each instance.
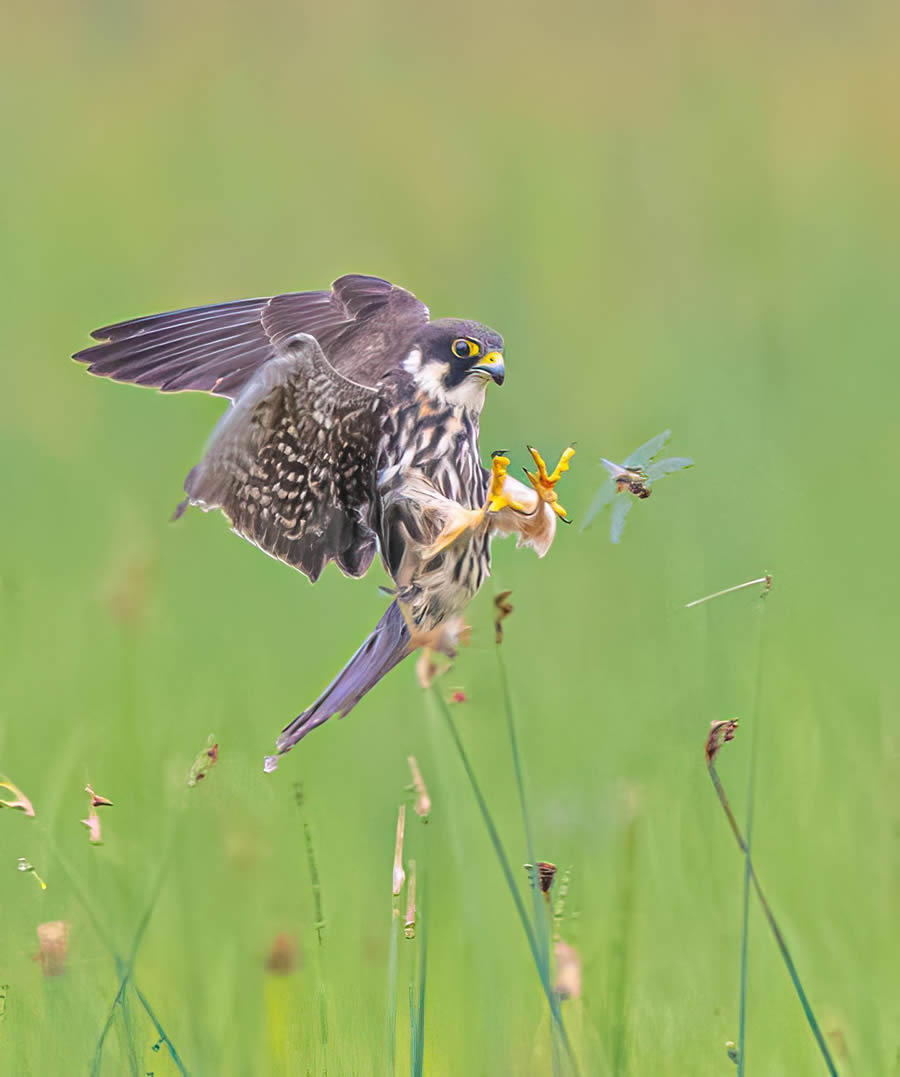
(544, 484)
(497, 500)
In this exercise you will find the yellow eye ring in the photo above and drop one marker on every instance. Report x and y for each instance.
(464, 349)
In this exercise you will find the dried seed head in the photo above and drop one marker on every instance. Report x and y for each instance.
(399, 875)
(546, 875)
(53, 942)
(503, 608)
(541, 874)
(93, 824)
(422, 805)
(409, 925)
(97, 801)
(282, 956)
(568, 970)
(719, 734)
(205, 761)
(20, 802)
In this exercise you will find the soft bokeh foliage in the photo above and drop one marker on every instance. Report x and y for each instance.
(680, 215)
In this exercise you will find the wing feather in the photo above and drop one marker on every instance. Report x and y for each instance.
(292, 463)
(362, 325)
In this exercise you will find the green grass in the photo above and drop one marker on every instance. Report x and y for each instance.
(679, 217)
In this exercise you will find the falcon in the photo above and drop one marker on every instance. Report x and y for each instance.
(352, 428)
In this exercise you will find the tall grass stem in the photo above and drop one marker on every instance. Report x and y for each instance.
(755, 713)
(527, 925)
(541, 921)
(773, 924)
(132, 956)
(81, 895)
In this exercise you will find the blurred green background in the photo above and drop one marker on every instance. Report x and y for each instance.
(679, 215)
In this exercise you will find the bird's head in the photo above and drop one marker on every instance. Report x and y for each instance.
(453, 361)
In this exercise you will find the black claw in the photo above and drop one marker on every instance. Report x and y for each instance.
(499, 452)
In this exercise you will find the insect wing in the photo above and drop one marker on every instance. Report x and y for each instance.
(616, 470)
(667, 466)
(641, 457)
(603, 497)
(621, 508)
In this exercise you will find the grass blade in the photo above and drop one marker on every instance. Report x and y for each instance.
(419, 1057)
(397, 881)
(713, 744)
(81, 894)
(751, 800)
(494, 835)
(541, 921)
(319, 915)
(132, 955)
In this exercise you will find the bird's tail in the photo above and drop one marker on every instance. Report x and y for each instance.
(385, 647)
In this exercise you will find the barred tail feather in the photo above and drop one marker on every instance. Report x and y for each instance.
(388, 644)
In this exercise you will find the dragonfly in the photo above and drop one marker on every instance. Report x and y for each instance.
(634, 477)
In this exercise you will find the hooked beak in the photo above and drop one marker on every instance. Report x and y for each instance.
(492, 366)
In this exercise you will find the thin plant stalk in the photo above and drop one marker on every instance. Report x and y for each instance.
(397, 880)
(541, 920)
(528, 927)
(126, 1027)
(418, 972)
(391, 1019)
(748, 830)
(132, 956)
(766, 579)
(541, 925)
(419, 1057)
(773, 923)
(416, 926)
(163, 1038)
(88, 906)
(318, 913)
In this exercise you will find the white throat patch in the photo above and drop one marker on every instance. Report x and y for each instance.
(429, 378)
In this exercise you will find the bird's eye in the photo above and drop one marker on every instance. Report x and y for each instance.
(464, 349)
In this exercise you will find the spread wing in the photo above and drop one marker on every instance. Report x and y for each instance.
(292, 462)
(361, 325)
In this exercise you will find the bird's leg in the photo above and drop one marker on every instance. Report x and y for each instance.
(544, 484)
(462, 519)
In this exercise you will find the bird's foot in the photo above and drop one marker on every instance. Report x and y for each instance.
(497, 500)
(545, 484)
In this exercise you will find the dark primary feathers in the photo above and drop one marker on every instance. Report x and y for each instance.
(362, 324)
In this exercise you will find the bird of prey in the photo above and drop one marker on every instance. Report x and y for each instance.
(353, 426)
